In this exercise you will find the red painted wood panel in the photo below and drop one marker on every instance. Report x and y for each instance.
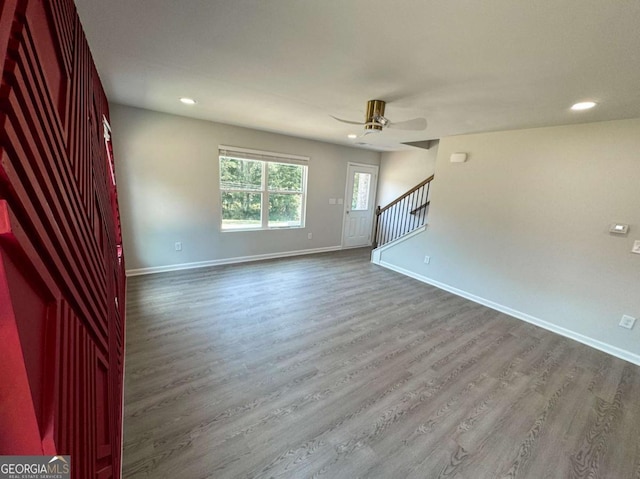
(62, 283)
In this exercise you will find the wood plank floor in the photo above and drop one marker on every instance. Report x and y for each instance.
(327, 366)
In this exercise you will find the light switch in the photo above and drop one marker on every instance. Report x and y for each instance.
(636, 247)
(340, 201)
(332, 201)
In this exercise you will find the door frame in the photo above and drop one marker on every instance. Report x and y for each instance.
(347, 201)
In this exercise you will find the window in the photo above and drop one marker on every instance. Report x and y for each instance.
(261, 190)
(361, 185)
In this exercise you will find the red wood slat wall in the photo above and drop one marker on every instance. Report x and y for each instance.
(62, 280)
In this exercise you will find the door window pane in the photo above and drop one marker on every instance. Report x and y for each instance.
(241, 210)
(361, 185)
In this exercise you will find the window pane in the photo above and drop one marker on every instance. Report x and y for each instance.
(360, 198)
(241, 210)
(238, 174)
(285, 177)
(285, 210)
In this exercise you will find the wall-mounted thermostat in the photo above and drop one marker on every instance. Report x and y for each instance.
(619, 229)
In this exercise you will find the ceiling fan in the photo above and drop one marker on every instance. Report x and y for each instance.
(375, 120)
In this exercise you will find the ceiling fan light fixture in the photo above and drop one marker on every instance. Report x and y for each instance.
(375, 111)
(375, 121)
(381, 120)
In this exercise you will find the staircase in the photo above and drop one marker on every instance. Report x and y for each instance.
(403, 215)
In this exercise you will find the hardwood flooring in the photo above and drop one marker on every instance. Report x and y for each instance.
(327, 366)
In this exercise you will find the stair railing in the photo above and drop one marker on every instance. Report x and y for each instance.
(403, 215)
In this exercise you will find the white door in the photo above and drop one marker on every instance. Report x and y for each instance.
(359, 205)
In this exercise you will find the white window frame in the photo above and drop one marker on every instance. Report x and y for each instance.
(265, 157)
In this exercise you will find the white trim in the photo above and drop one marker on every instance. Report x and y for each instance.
(272, 228)
(218, 262)
(356, 247)
(594, 343)
(355, 163)
(396, 241)
(107, 128)
(260, 154)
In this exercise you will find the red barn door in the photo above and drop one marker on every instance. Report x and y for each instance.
(61, 266)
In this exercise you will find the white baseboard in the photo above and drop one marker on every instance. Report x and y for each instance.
(218, 262)
(594, 343)
(357, 246)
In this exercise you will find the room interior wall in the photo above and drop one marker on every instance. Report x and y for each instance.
(168, 178)
(402, 170)
(524, 224)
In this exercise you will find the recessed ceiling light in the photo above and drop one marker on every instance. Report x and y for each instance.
(583, 105)
(188, 101)
(352, 136)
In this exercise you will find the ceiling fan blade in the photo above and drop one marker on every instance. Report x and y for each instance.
(347, 121)
(377, 147)
(415, 124)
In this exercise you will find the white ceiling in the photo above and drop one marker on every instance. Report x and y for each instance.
(286, 65)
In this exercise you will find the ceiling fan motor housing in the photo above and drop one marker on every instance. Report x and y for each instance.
(375, 110)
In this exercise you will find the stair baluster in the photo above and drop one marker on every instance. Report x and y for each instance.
(403, 215)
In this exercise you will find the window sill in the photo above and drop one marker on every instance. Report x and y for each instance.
(275, 228)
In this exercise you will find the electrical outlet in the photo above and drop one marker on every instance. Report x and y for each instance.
(627, 321)
(310, 236)
(427, 259)
(178, 245)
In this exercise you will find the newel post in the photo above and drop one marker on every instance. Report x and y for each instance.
(375, 232)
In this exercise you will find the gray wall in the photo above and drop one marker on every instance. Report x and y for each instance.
(524, 224)
(167, 172)
(402, 170)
